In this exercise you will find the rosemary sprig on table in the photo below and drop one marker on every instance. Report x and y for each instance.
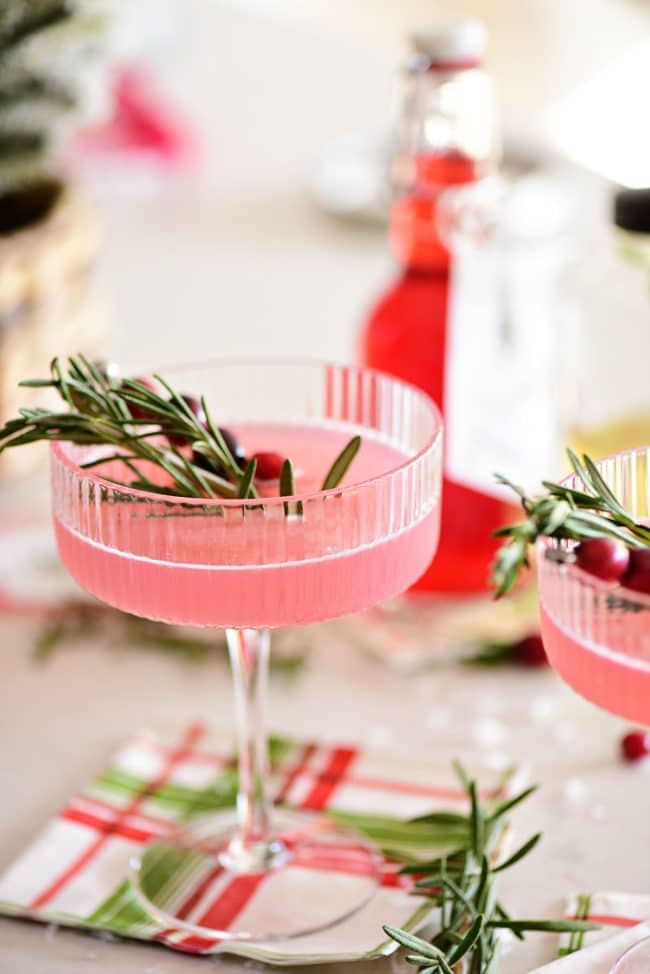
(78, 622)
(463, 886)
(566, 514)
(577, 939)
(144, 424)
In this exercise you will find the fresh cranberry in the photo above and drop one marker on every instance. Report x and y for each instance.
(206, 464)
(269, 465)
(605, 558)
(635, 745)
(235, 447)
(530, 651)
(196, 407)
(637, 576)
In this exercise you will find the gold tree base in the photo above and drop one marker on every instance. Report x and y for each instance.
(49, 305)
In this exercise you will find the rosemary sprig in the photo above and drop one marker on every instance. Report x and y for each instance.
(78, 622)
(564, 513)
(463, 886)
(577, 938)
(246, 481)
(288, 487)
(133, 418)
(339, 468)
(143, 424)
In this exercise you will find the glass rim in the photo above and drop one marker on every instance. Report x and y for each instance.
(631, 950)
(58, 447)
(586, 579)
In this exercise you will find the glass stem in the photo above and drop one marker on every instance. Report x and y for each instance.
(249, 659)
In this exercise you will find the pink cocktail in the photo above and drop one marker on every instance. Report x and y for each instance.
(234, 566)
(596, 634)
(248, 566)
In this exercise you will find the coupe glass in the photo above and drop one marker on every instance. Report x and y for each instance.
(249, 566)
(596, 634)
(636, 960)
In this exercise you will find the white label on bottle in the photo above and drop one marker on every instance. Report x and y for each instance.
(499, 381)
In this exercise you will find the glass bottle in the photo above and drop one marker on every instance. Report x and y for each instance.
(611, 343)
(446, 137)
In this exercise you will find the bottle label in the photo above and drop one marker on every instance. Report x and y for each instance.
(500, 407)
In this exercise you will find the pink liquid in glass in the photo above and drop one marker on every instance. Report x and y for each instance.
(255, 567)
(596, 633)
(604, 674)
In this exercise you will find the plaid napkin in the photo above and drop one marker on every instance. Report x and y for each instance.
(621, 916)
(74, 872)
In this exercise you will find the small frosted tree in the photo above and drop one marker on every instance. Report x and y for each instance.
(52, 58)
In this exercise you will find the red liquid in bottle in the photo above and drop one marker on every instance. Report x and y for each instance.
(406, 335)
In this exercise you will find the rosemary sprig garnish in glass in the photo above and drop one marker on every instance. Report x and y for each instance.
(564, 513)
(152, 423)
(463, 886)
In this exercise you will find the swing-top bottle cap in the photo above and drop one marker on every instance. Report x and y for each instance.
(451, 43)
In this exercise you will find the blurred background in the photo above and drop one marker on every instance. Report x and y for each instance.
(236, 256)
(263, 118)
(268, 85)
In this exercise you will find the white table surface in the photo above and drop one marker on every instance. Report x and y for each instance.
(236, 261)
(62, 719)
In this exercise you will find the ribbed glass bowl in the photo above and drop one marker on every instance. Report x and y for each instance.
(233, 563)
(597, 634)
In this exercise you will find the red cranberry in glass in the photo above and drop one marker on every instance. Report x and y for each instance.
(530, 651)
(196, 406)
(269, 465)
(637, 576)
(205, 464)
(635, 745)
(234, 446)
(605, 558)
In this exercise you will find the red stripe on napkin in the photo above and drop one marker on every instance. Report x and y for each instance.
(393, 879)
(609, 921)
(198, 893)
(123, 829)
(190, 944)
(295, 772)
(407, 788)
(148, 743)
(102, 809)
(231, 901)
(326, 783)
(334, 860)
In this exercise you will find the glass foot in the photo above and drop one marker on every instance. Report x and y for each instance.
(312, 875)
(636, 960)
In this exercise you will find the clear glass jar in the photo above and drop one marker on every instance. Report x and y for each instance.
(509, 246)
(610, 346)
